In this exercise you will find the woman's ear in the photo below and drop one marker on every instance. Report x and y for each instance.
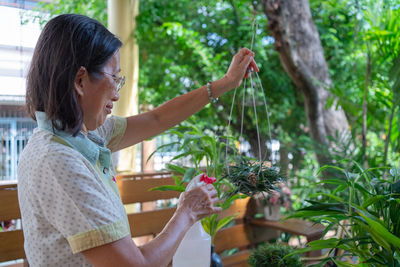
(80, 76)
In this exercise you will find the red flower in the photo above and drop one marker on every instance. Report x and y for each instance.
(206, 179)
(113, 178)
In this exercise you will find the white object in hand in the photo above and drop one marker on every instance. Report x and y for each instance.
(195, 248)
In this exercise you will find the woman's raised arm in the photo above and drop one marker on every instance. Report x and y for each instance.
(146, 125)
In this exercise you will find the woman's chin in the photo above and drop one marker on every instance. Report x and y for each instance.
(95, 124)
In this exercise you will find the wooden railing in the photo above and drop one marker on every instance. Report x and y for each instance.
(11, 242)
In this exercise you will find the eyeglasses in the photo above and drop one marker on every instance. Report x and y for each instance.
(120, 81)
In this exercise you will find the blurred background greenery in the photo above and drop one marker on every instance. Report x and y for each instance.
(183, 44)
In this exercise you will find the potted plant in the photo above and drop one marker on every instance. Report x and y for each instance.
(250, 177)
(365, 207)
(240, 180)
(274, 255)
(270, 203)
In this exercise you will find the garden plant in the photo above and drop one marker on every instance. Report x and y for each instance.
(364, 206)
(245, 178)
(273, 255)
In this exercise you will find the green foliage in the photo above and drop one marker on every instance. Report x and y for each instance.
(272, 255)
(368, 216)
(354, 33)
(211, 224)
(184, 44)
(199, 148)
(96, 9)
(250, 177)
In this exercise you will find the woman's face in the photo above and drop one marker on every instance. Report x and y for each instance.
(98, 94)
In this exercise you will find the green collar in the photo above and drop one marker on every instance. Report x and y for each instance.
(92, 146)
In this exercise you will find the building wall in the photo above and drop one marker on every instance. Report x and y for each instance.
(17, 42)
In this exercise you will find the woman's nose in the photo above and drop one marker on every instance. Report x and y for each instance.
(116, 96)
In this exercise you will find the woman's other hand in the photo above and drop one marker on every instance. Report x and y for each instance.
(242, 63)
(199, 202)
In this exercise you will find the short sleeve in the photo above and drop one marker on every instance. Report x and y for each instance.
(112, 130)
(76, 202)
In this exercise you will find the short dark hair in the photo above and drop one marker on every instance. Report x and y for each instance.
(66, 43)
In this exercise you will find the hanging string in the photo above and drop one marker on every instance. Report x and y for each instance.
(253, 33)
(227, 135)
(253, 88)
(243, 102)
(256, 118)
(255, 25)
(267, 112)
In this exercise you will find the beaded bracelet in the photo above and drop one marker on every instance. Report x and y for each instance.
(212, 99)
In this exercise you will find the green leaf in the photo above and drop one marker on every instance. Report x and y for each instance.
(161, 147)
(330, 167)
(228, 202)
(185, 154)
(312, 246)
(206, 225)
(344, 264)
(381, 231)
(361, 189)
(174, 132)
(331, 242)
(176, 168)
(189, 174)
(340, 188)
(331, 196)
(373, 200)
(332, 181)
(225, 221)
(315, 213)
(179, 188)
(177, 180)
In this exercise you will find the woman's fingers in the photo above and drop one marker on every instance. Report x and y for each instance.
(250, 65)
(249, 55)
(211, 193)
(254, 66)
(200, 201)
(243, 62)
(245, 51)
(215, 210)
(210, 200)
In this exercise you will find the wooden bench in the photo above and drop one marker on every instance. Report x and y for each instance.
(243, 235)
(11, 242)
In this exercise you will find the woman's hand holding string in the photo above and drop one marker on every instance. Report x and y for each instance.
(241, 65)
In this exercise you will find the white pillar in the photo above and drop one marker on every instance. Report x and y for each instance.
(121, 22)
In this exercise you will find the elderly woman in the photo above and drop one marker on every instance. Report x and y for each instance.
(72, 214)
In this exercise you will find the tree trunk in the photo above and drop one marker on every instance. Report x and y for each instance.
(284, 158)
(301, 53)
